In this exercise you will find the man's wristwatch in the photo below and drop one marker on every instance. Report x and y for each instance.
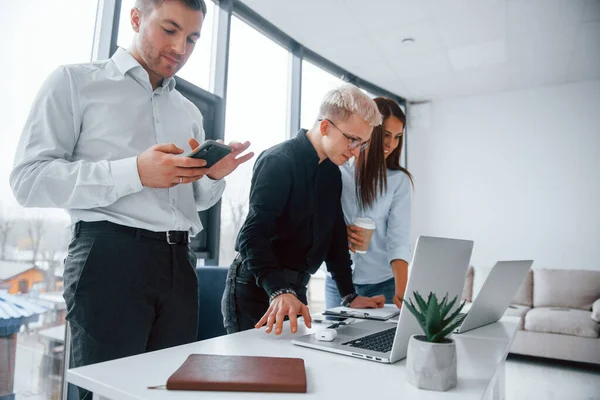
(280, 292)
(347, 300)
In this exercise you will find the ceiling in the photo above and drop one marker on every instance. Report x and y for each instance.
(461, 47)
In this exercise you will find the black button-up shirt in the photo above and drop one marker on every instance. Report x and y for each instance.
(295, 218)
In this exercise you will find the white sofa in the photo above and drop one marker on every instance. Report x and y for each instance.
(559, 311)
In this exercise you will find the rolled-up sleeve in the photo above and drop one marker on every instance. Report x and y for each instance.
(399, 223)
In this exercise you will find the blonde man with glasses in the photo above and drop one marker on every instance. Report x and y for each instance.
(295, 219)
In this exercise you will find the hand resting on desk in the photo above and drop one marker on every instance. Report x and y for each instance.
(288, 305)
(284, 305)
(368, 302)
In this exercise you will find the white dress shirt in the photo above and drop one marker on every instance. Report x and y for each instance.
(80, 143)
(391, 212)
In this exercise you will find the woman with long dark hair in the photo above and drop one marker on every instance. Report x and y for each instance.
(377, 187)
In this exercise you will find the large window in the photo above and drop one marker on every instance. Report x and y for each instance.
(315, 83)
(256, 111)
(39, 36)
(197, 68)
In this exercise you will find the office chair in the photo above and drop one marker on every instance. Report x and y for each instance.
(211, 284)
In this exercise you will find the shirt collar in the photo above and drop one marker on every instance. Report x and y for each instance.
(309, 152)
(125, 62)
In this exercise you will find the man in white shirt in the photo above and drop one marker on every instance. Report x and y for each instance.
(104, 141)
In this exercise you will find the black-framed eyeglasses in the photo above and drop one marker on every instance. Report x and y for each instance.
(353, 143)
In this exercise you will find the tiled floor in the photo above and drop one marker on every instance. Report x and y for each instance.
(534, 378)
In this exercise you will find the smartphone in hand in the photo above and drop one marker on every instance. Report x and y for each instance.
(211, 151)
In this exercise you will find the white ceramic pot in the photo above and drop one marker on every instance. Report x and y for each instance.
(431, 366)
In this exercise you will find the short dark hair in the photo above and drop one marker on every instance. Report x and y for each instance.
(198, 5)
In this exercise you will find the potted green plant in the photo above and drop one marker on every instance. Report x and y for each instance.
(431, 357)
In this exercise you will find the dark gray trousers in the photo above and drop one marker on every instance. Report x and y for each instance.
(127, 294)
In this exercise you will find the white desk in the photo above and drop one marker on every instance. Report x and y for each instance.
(481, 354)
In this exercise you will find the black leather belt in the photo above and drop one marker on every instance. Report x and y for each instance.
(170, 237)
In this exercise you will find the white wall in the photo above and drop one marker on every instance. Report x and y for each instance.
(518, 172)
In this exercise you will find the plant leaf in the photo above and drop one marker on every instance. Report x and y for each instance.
(412, 309)
(448, 307)
(451, 318)
(445, 332)
(420, 317)
(420, 302)
(444, 301)
(433, 318)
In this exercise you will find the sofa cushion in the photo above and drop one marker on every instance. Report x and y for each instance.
(515, 310)
(564, 321)
(565, 288)
(467, 293)
(596, 311)
(524, 295)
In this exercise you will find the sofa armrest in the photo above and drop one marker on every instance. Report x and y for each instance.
(596, 311)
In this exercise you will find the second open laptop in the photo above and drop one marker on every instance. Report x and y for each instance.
(439, 265)
(495, 295)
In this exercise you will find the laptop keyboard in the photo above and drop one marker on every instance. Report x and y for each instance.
(381, 341)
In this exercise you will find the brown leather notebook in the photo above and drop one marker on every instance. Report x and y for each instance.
(239, 374)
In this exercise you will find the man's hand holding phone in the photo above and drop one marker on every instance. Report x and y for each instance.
(161, 166)
(228, 163)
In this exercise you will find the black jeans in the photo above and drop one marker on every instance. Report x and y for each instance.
(244, 302)
(127, 294)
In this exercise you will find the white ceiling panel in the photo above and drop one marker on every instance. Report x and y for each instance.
(382, 73)
(431, 86)
(535, 45)
(421, 64)
(318, 19)
(389, 41)
(381, 15)
(478, 55)
(458, 21)
(346, 49)
(536, 17)
(461, 47)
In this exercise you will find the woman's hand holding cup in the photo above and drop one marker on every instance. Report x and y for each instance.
(360, 233)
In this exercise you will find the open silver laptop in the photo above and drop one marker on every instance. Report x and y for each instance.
(496, 293)
(439, 265)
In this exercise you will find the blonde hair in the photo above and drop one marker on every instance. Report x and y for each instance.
(342, 102)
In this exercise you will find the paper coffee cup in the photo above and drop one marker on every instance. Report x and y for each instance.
(368, 226)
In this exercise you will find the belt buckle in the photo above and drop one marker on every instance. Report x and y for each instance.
(169, 238)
